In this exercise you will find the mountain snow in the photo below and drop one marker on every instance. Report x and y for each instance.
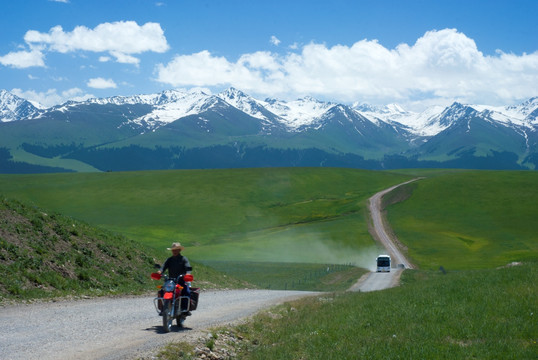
(174, 105)
(244, 102)
(521, 114)
(14, 108)
(171, 105)
(293, 114)
(298, 113)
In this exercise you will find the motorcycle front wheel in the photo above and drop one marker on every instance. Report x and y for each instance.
(167, 316)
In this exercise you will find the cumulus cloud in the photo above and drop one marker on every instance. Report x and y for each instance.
(124, 58)
(100, 83)
(52, 97)
(122, 36)
(119, 39)
(441, 64)
(23, 59)
(274, 40)
(203, 69)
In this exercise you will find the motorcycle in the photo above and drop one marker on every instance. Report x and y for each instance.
(172, 304)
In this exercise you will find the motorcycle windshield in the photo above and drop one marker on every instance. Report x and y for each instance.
(169, 286)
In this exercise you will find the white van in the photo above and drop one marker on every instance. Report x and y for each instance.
(383, 263)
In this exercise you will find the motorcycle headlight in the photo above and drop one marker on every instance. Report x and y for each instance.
(169, 286)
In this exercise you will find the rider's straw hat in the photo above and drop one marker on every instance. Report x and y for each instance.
(176, 246)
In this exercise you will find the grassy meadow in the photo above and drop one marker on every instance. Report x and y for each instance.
(480, 314)
(275, 214)
(452, 218)
(281, 228)
(297, 276)
(468, 219)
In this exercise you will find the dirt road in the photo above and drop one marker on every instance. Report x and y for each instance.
(374, 281)
(380, 229)
(122, 328)
(378, 281)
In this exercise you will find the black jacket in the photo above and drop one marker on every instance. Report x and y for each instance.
(176, 265)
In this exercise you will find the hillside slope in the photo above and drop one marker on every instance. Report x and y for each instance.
(468, 219)
(43, 255)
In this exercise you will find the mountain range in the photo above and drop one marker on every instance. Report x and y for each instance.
(191, 129)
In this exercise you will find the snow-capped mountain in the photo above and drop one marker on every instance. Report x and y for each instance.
(298, 113)
(14, 108)
(387, 113)
(293, 114)
(246, 103)
(524, 110)
(240, 130)
(173, 105)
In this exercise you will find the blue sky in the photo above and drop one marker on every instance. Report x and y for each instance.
(415, 53)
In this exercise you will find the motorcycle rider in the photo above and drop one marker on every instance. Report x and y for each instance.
(176, 265)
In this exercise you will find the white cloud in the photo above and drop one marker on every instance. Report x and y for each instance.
(441, 64)
(200, 69)
(274, 40)
(124, 58)
(100, 83)
(120, 39)
(51, 97)
(23, 59)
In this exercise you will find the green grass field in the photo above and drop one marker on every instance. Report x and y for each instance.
(469, 219)
(484, 314)
(297, 276)
(70, 164)
(279, 215)
(452, 218)
(248, 222)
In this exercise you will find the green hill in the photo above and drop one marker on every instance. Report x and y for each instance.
(455, 219)
(468, 219)
(47, 254)
(275, 214)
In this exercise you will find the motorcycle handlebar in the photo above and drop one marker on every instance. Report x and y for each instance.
(186, 277)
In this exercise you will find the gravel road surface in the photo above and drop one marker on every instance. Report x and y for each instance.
(374, 281)
(117, 328)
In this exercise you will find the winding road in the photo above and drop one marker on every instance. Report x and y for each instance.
(128, 327)
(378, 281)
(380, 227)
